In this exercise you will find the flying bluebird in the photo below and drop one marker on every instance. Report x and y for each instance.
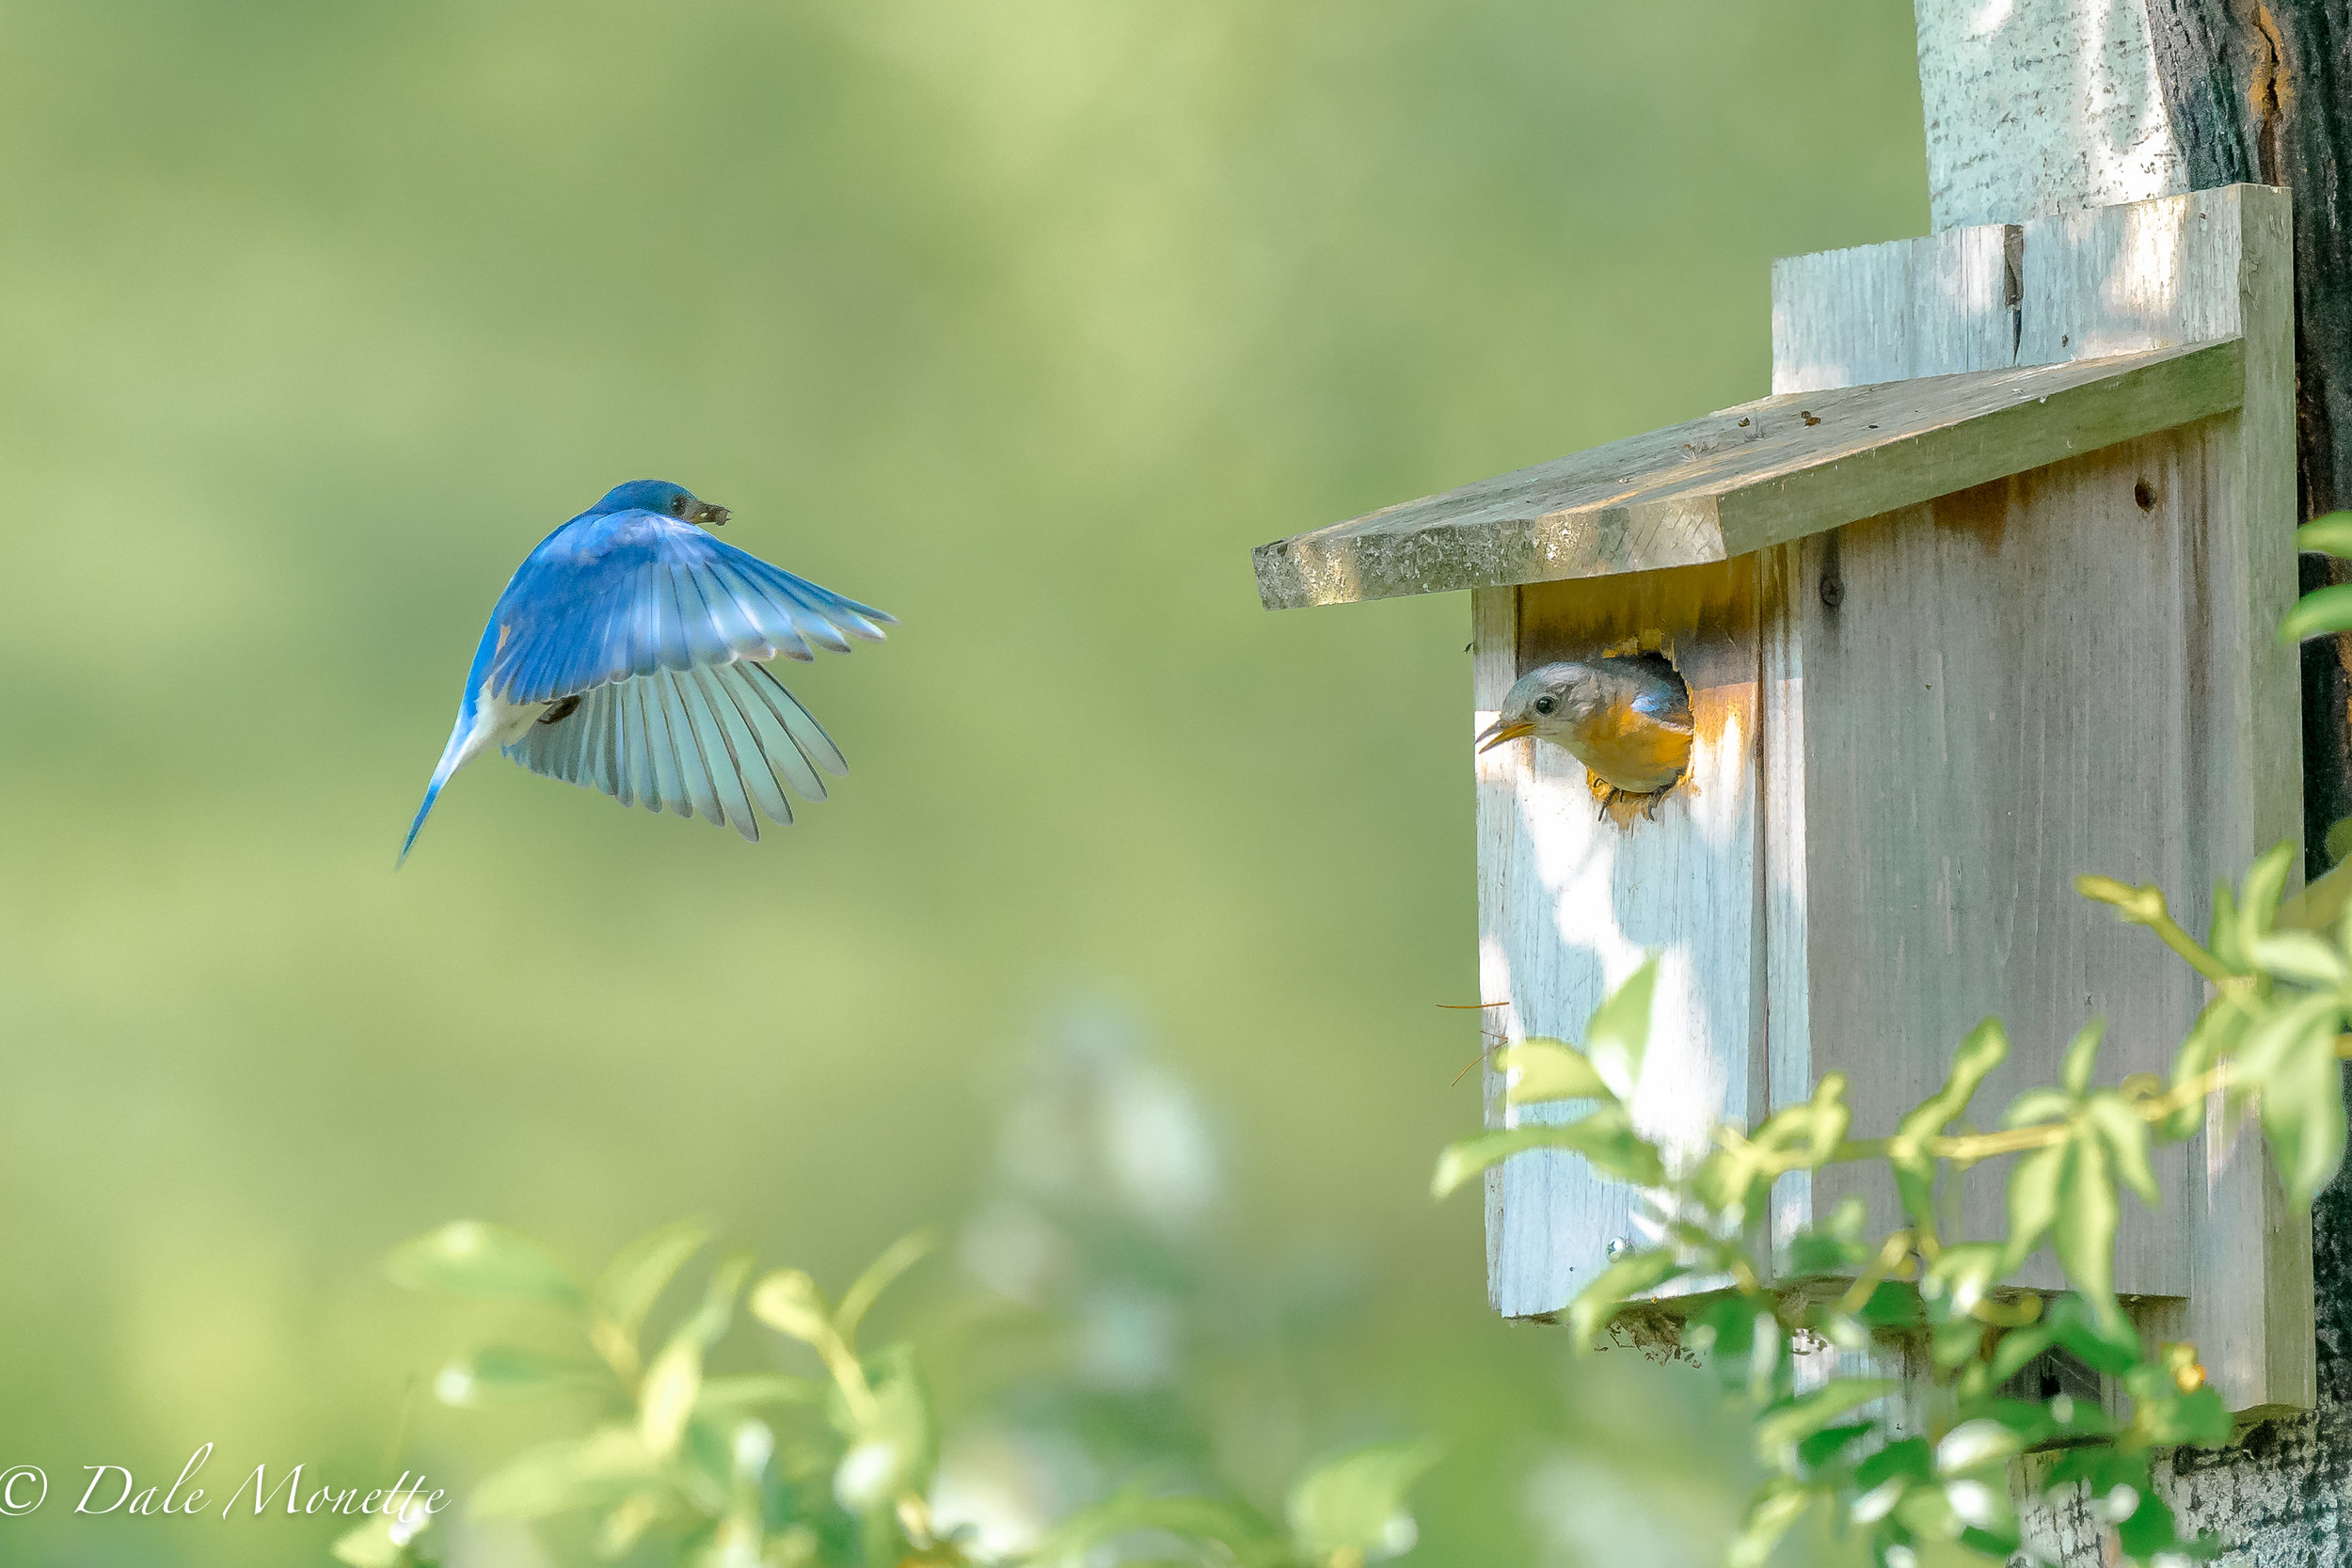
(628, 655)
(1628, 719)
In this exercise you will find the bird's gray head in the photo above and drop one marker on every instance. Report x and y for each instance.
(1552, 701)
(659, 495)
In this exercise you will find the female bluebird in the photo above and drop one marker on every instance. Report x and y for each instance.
(1628, 719)
(628, 655)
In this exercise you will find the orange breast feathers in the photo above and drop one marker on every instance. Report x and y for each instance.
(1635, 751)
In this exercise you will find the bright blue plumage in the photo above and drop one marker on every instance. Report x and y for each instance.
(628, 655)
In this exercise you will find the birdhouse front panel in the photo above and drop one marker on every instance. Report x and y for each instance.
(1573, 892)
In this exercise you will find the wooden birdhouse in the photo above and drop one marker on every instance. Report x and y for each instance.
(1983, 595)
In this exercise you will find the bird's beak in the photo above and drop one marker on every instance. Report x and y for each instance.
(1501, 730)
(715, 515)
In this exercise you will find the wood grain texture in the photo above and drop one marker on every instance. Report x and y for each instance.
(1939, 305)
(1568, 904)
(1995, 702)
(2037, 105)
(1738, 482)
(2091, 686)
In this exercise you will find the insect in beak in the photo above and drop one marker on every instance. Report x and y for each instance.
(1501, 730)
(715, 515)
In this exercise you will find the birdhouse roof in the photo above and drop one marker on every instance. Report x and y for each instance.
(1750, 477)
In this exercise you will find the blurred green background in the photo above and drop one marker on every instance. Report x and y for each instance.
(1023, 321)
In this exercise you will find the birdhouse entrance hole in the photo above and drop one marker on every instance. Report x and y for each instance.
(1649, 653)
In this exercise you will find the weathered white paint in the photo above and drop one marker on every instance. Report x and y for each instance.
(1569, 903)
(2037, 106)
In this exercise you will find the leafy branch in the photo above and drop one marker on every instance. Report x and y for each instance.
(2267, 1045)
(773, 1469)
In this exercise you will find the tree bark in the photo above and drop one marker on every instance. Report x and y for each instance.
(2258, 92)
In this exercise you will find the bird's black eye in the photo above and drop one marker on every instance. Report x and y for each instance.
(677, 506)
(1544, 705)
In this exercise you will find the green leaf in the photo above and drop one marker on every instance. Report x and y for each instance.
(1606, 1138)
(1540, 1069)
(2299, 956)
(1629, 1276)
(2302, 1113)
(1971, 1443)
(788, 1302)
(2150, 1529)
(2035, 1105)
(2104, 1342)
(1357, 1502)
(1251, 1540)
(2317, 613)
(2134, 906)
(2019, 1346)
(2258, 907)
(2034, 1187)
(1617, 1035)
(666, 1396)
(1961, 1275)
(1782, 1427)
(2082, 1056)
(2221, 939)
(2339, 840)
(620, 1530)
(1722, 1333)
(1833, 1246)
(2330, 534)
(728, 1399)
(1825, 1445)
(2219, 1029)
(891, 1446)
(2125, 1136)
(1984, 1048)
(636, 1278)
(2304, 1025)
(2164, 1417)
(1890, 1306)
(469, 1258)
(1907, 1459)
(372, 1545)
(508, 1374)
(672, 1381)
(598, 1471)
(1954, 1341)
(2083, 1235)
(880, 1274)
(1770, 1512)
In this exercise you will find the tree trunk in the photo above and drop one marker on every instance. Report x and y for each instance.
(2260, 92)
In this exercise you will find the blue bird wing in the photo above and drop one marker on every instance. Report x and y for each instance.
(1667, 705)
(631, 594)
(721, 741)
(1659, 693)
